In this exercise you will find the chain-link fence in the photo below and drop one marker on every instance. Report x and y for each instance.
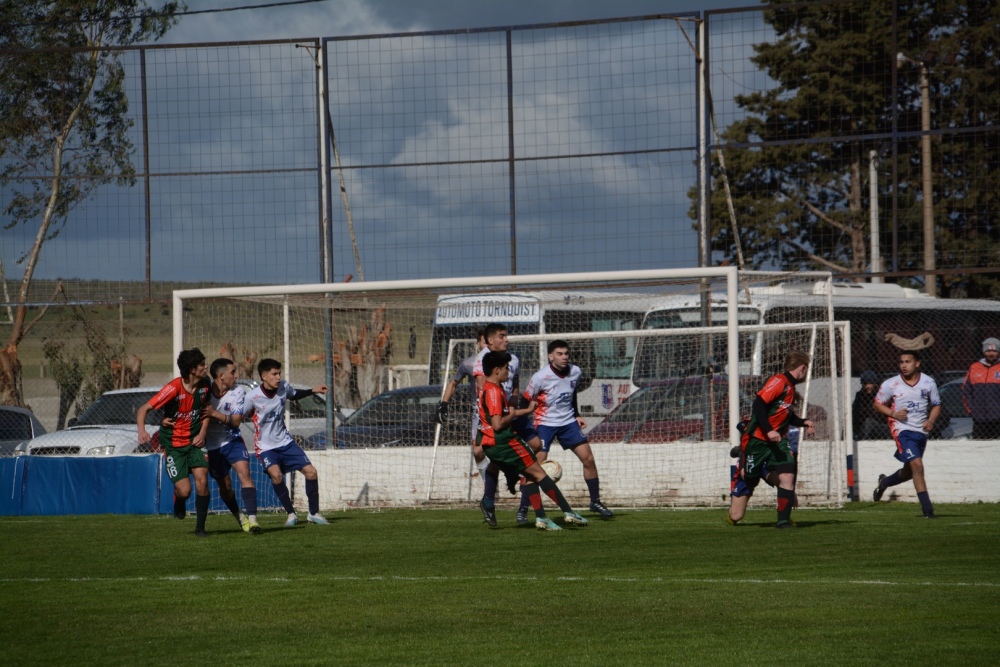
(529, 150)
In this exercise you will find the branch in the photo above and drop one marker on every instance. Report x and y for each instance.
(847, 229)
(41, 313)
(816, 258)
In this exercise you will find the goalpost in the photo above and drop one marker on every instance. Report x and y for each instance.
(647, 333)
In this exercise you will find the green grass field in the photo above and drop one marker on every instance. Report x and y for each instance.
(867, 584)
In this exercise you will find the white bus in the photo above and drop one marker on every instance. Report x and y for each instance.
(606, 362)
(958, 326)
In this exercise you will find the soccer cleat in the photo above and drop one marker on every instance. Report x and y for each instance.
(573, 517)
(201, 532)
(735, 452)
(291, 520)
(785, 524)
(601, 508)
(522, 516)
(489, 516)
(255, 528)
(730, 520)
(545, 523)
(244, 523)
(930, 515)
(317, 519)
(879, 490)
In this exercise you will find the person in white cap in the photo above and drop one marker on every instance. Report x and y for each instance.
(981, 392)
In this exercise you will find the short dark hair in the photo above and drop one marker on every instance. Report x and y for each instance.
(493, 361)
(492, 329)
(794, 359)
(267, 364)
(914, 353)
(556, 344)
(480, 333)
(219, 365)
(188, 360)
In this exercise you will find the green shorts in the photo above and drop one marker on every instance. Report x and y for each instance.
(182, 460)
(776, 455)
(510, 454)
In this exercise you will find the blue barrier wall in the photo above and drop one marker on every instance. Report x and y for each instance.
(50, 485)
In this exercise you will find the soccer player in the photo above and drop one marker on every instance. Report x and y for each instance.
(508, 451)
(767, 443)
(467, 370)
(226, 449)
(495, 336)
(557, 417)
(274, 445)
(182, 435)
(911, 402)
(739, 492)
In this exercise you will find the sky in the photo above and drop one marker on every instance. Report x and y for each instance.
(225, 110)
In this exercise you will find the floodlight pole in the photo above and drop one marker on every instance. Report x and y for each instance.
(876, 257)
(930, 280)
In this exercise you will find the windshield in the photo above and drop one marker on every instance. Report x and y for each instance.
(528, 352)
(119, 409)
(396, 408)
(15, 426)
(665, 357)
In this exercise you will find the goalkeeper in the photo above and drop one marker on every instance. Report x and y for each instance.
(466, 370)
(507, 451)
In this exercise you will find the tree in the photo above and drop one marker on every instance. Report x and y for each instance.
(801, 196)
(63, 121)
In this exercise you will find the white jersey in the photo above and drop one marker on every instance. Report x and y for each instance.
(512, 379)
(917, 400)
(554, 394)
(230, 403)
(269, 430)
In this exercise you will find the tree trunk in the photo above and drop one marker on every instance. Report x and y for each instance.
(10, 377)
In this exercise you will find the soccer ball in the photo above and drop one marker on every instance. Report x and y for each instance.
(552, 469)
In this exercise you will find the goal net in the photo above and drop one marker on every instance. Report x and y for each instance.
(655, 350)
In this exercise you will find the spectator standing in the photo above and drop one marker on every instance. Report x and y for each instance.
(869, 424)
(981, 392)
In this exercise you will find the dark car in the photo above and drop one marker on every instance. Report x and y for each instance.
(403, 418)
(959, 423)
(17, 427)
(674, 410)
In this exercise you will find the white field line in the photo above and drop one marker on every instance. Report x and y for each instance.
(437, 579)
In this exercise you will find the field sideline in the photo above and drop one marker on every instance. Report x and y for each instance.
(869, 584)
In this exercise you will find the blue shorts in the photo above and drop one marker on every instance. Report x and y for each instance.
(910, 445)
(739, 488)
(221, 460)
(290, 457)
(570, 435)
(524, 428)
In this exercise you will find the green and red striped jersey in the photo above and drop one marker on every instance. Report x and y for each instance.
(183, 408)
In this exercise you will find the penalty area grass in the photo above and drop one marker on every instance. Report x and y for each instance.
(867, 584)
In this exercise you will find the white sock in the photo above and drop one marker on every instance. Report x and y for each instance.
(482, 466)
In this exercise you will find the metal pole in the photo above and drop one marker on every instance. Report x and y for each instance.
(510, 156)
(876, 258)
(930, 281)
(145, 172)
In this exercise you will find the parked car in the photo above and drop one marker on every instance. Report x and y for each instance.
(17, 427)
(403, 418)
(674, 410)
(959, 422)
(105, 428)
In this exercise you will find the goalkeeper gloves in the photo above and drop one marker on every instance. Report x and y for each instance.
(442, 412)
